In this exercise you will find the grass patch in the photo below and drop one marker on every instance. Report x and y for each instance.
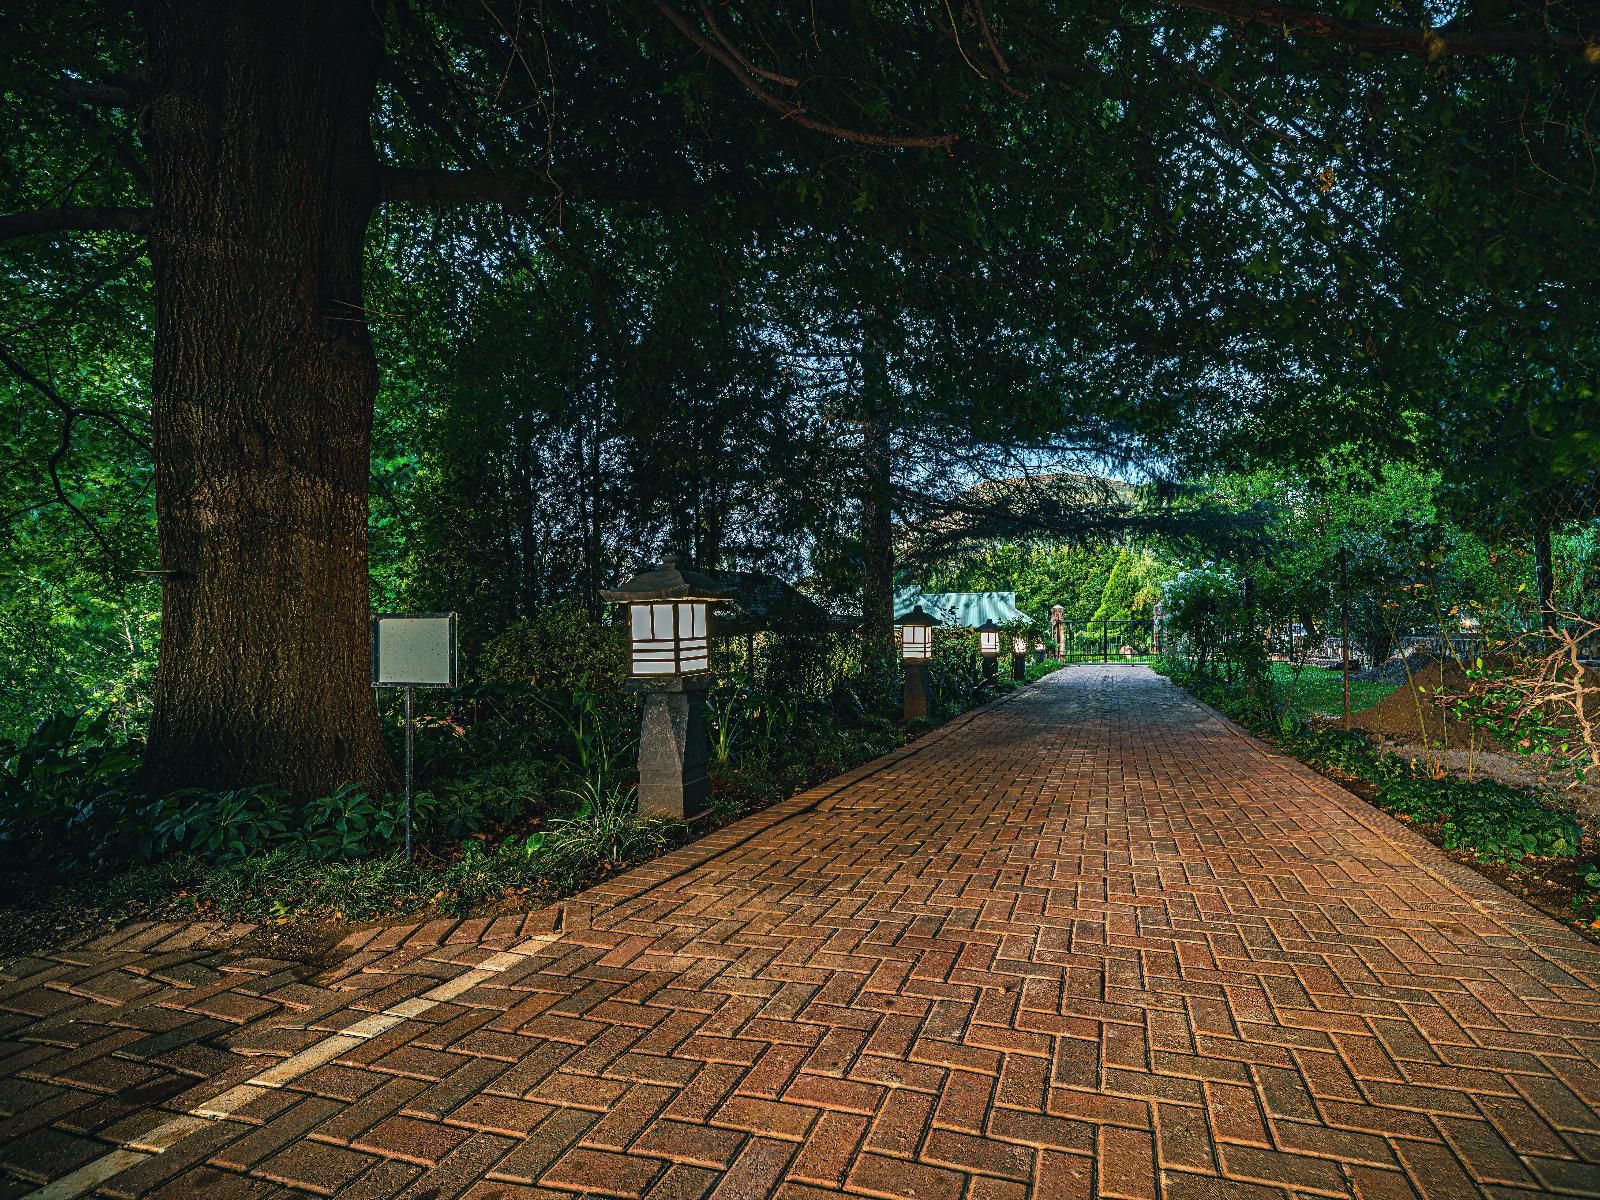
(1320, 692)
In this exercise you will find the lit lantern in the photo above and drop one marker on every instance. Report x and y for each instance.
(668, 620)
(670, 663)
(989, 639)
(1019, 658)
(915, 633)
(916, 636)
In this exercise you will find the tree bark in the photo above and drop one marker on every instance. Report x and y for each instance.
(877, 513)
(264, 180)
(1544, 577)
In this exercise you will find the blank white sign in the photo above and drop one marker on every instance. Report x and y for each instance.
(414, 650)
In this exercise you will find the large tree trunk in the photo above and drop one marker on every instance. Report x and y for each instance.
(263, 177)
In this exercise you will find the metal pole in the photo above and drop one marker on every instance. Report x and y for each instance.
(408, 774)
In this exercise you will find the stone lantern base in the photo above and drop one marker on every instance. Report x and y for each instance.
(673, 748)
(917, 689)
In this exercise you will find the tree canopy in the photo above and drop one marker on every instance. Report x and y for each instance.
(321, 303)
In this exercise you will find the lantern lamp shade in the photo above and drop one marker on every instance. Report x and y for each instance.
(669, 638)
(989, 639)
(1019, 645)
(915, 634)
(668, 620)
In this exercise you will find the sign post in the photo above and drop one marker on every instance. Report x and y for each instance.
(412, 650)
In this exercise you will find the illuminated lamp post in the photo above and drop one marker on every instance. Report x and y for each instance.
(916, 652)
(989, 646)
(1019, 658)
(669, 661)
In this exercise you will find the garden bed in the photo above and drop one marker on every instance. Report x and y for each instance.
(1527, 840)
(303, 899)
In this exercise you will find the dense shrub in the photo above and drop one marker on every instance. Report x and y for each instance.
(66, 790)
(560, 649)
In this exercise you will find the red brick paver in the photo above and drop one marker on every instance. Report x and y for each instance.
(1090, 942)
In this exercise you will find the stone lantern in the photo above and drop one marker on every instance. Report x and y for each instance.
(669, 661)
(915, 631)
(989, 647)
(1019, 658)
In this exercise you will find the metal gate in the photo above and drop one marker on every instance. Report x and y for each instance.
(1107, 641)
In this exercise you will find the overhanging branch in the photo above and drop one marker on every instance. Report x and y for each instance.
(788, 110)
(74, 219)
(99, 95)
(1446, 41)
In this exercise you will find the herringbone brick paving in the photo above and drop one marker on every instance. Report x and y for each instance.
(1090, 942)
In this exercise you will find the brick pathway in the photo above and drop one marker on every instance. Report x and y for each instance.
(1089, 942)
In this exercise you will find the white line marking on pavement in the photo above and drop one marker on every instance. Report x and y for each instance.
(169, 1133)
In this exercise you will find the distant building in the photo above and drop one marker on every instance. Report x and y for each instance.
(969, 609)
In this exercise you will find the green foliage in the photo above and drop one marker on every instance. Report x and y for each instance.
(1488, 819)
(955, 674)
(1209, 621)
(1517, 709)
(741, 716)
(1041, 575)
(500, 794)
(221, 826)
(1131, 590)
(65, 789)
(560, 648)
(606, 832)
(1370, 541)
(347, 823)
(557, 678)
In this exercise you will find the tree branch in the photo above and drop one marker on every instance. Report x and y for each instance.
(439, 187)
(18, 368)
(118, 91)
(795, 112)
(74, 218)
(716, 32)
(1446, 41)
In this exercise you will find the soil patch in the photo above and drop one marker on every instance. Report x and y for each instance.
(1413, 714)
